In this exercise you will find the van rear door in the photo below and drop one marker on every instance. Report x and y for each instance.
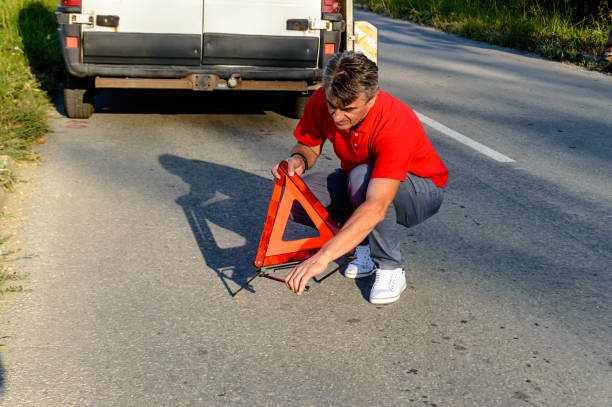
(147, 32)
(261, 33)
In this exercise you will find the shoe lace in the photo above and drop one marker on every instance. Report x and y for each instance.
(383, 277)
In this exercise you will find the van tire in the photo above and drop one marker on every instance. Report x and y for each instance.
(299, 105)
(78, 97)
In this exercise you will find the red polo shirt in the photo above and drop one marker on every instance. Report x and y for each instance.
(391, 137)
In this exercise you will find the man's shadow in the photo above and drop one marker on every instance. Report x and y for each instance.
(226, 209)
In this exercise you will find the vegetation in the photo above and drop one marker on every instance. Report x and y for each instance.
(7, 177)
(30, 66)
(8, 276)
(30, 69)
(558, 29)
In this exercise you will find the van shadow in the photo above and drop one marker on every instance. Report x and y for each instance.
(155, 101)
(226, 210)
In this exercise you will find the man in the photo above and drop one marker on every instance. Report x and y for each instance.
(390, 174)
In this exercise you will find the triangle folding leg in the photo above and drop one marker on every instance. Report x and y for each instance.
(273, 250)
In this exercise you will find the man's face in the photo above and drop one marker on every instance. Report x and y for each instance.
(350, 115)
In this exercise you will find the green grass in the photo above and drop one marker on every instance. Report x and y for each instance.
(30, 69)
(558, 29)
(9, 277)
(7, 177)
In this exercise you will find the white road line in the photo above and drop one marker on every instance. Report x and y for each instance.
(481, 148)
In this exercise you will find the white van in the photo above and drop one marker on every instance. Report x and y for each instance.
(208, 45)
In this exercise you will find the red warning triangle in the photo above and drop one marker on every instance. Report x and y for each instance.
(272, 248)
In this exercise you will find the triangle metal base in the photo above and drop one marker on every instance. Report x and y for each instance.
(263, 272)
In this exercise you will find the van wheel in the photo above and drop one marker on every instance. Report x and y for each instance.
(78, 97)
(298, 105)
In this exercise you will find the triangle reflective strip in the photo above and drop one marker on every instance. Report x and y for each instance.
(272, 248)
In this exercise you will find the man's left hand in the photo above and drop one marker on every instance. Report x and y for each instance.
(299, 276)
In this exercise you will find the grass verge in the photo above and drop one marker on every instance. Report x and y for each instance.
(557, 29)
(30, 69)
(9, 277)
(7, 175)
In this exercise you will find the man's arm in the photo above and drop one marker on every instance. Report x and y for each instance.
(295, 164)
(381, 192)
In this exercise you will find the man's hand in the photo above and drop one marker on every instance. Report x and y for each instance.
(299, 276)
(295, 165)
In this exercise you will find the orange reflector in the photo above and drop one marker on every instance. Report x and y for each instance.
(330, 49)
(273, 250)
(72, 42)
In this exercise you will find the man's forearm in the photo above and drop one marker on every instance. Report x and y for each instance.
(379, 196)
(356, 228)
(359, 225)
(311, 154)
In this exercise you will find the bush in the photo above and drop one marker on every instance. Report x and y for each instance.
(559, 29)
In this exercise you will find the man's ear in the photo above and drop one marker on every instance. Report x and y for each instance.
(372, 101)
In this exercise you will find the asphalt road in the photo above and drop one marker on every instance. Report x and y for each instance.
(148, 215)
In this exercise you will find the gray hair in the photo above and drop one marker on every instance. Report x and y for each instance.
(347, 75)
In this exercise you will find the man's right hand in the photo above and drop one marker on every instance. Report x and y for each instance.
(295, 165)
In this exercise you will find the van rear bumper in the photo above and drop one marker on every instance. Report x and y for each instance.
(223, 72)
(73, 58)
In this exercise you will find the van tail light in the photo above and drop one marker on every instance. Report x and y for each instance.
(76, 3)
(72, 42)
(327, 6)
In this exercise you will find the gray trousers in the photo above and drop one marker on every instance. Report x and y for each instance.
(416, 200)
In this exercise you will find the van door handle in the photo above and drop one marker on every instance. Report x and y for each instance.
(297, 24)
(107, 21)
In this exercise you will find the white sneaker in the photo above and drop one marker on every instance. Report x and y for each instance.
(388, 286)
(362, 266)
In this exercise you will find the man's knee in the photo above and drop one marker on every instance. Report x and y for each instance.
(330, 190)
(358, 181)
(417, 200)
